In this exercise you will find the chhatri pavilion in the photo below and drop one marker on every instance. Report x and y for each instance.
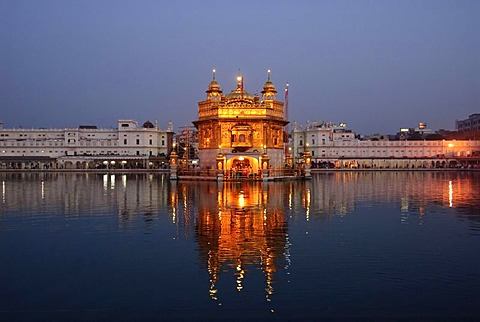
(241, 133)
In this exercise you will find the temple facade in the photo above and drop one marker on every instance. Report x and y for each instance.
(240, 132)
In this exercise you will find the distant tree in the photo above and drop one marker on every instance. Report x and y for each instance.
(415, 137)
(433, 137)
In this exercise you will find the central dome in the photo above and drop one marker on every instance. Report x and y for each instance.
(239, 94)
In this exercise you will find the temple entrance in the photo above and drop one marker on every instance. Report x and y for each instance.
(242, 168)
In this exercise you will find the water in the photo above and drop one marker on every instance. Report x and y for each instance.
(349, 245)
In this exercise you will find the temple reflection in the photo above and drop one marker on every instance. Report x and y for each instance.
(240, 230)
(244, 228)
(330, 194)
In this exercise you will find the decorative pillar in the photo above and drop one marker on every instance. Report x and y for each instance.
(220, 159)
(265, 164)
(307, 157)
(173, 165)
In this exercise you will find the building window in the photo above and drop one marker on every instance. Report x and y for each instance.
(163, 142)
(138, 141)
(125, 141)
(151, 142)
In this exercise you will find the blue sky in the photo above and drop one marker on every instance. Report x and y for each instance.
(376, 65)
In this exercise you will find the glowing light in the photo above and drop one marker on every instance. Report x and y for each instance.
(241, 200)
(43, 190)
(307, 205)
(450, 145)
(241, 158)
(3, 192)
(239, 78)
(124, 181)
(112, 181)
(290, 198)
(450, 194)
(105, 181)
(240, 276)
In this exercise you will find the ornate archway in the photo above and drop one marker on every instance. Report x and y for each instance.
(242, 166)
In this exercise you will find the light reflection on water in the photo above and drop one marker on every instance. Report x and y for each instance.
(341, 245)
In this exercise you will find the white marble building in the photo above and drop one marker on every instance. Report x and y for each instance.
(329, 142)
(129, 139)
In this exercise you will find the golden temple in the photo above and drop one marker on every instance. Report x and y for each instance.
(239, 133)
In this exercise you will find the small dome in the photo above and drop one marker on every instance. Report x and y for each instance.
(214, 86)
(148, 125)
(268, 86)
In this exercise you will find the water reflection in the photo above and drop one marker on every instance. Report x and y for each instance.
(410, 192)
(244, 228)
(232, 242)
(332, 194)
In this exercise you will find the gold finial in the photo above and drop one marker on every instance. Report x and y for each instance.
(214, 73)
(268, 71)
(240, 81)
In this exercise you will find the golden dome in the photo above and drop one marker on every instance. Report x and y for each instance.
(268, 86)
(213, 86)
(239, 94)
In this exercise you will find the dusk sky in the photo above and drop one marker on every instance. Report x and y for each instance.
(376, 65)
